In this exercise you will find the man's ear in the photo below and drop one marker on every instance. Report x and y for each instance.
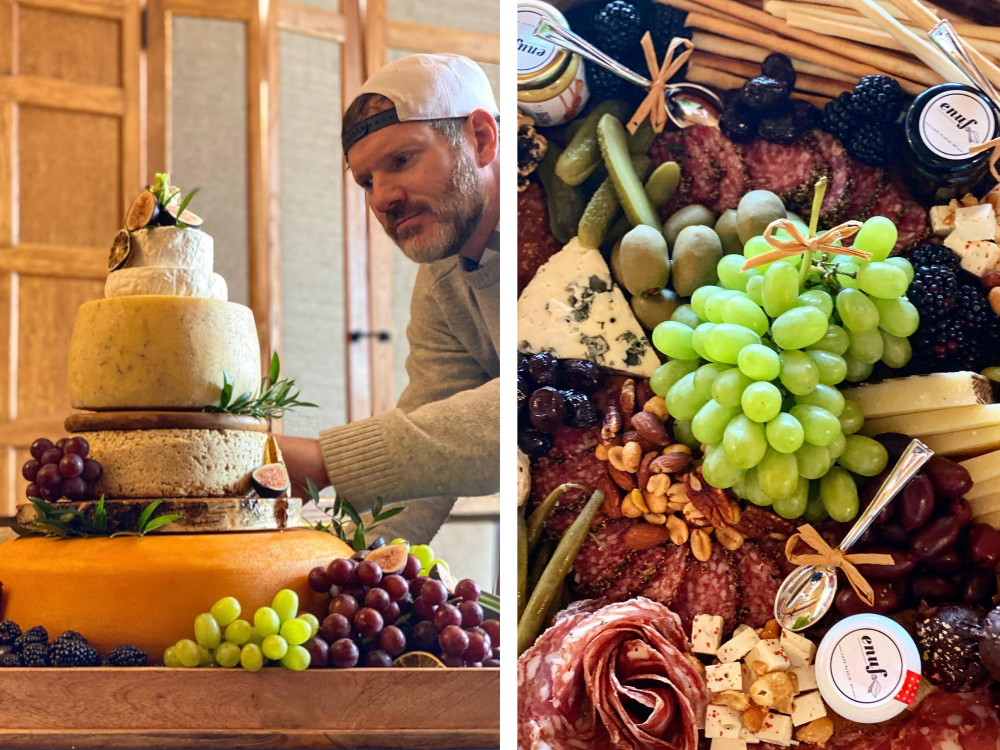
(485, 135)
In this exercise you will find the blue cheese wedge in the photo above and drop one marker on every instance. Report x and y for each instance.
(573, 309)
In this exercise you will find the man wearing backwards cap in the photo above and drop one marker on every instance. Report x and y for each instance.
(421, 139)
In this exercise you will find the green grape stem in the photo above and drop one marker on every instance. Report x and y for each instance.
(818, 194)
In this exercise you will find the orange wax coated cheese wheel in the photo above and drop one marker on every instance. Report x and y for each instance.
(148, 590)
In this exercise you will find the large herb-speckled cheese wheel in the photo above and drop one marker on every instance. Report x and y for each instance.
(175, 463)
(159, 352)
(147, 591)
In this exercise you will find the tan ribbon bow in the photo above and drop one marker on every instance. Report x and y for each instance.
(799, 243)
(827, 555)
(654, 105)
(995, 145)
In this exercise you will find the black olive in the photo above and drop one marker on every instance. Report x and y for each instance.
(764, 92)
(806, 115)
(534, 444)
(580, 410)
(780, 129)
(546, 409)
(580, 375)
(542, 368)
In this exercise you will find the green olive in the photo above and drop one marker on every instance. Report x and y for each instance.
(693, 215)
(652, 309)
(696, 255)
(725, 227)
(643, 261)
(756, 210)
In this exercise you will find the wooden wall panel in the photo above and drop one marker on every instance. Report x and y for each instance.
(68, 47)
(70, 177)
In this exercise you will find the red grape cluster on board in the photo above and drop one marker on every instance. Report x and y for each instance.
(60, 470)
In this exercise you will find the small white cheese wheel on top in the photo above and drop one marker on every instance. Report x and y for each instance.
(170, 282)
(706, 634)
(171, 247)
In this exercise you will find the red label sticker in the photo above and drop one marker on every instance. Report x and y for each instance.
(908, 692)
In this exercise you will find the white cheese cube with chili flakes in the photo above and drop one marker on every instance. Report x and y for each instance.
(706, 634)
(748, 675)
(721, 677)
(777, 729)
(724, 743)
(738, 646)
(807, 707)
(806, 677)
(748, 737)
(942, 220)
(977, 257)
(799, 649)
(770, 652)
(973, 223)
(722, 721)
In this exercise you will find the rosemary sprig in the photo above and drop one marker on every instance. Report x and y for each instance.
(66, 522)
(342, 511)
(272, 400)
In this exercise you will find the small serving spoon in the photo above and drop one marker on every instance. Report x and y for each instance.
(808, 592)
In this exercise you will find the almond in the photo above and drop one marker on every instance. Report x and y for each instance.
(644, 473)
(671, 463)
(644, 536)
(623, 479)
(649, 428)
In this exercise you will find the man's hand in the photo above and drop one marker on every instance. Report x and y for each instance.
(303, 458)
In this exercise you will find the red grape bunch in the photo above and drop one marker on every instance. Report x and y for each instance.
(61, 470)
(374, 618)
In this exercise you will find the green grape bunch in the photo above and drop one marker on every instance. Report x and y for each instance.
(754, 365)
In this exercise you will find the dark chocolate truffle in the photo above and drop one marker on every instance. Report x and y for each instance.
(989, 643)
(948, 638)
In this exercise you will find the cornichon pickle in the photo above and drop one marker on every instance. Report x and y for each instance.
(613, 139)
(643, 137)
(602, 209)
(566, 203)
(583, 154)
(662, 183)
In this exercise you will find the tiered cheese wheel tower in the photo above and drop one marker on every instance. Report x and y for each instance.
(144, 362)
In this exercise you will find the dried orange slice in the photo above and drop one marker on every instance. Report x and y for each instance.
(419, 659)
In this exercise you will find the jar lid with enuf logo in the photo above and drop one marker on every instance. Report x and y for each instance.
(944, 121)
(539, 63)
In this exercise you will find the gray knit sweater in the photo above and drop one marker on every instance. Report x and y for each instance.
(443, 438)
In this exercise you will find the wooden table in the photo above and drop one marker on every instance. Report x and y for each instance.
(219, 708)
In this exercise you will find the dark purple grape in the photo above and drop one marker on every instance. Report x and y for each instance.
(978, 586)
(378, 599)
(492, 627)
(479, 648)
(39, 447)
(51, 456)
(491, 663)
(543, 368)
(53, 493)
(903, 564)
(71, 466)
(368, 573)
(893, 534)
(982, 542)
(472, 614)
(319, 580)
(368, 622)
(78, 445)
(534, 444)
(92, 471)
(468, 590)
(453, 661)
(395, 586)
(951, 480)
(949, 563)
(61, 443)
(391, 613)
(933, 588)
(341, 570)
(868, 537)
(916, 503)
(453, 640)
(392, 641)
(546, 409)
(32, 491)
(580, 375)
(425, 635)
(961, 511)
(74, 489)
(378, 658)
(423, 609)
(447, 614)
(30, 469)
(434, 592)
(580, 410)
(334, 627)
(344, 653)
(354, 589)
(344, 605)
(319, 653)
(48, 477)
(849, 603)
(474, 664)
(411, 569)
(416, 584)
(935, 537)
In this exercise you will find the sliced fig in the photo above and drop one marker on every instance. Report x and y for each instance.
(441, 573)
(187, 217)
(121, 250)
(272, 453)
(144, 211)
(391, 558)
(270, 480)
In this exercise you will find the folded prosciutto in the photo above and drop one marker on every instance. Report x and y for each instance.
(616, 676)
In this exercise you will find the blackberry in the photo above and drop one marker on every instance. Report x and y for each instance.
(878, 99)
(35, 655)
(37, 634)
(838, 117)
(763, 92)
(9, 630)
(604, 84)
(69, 635)
(871, 143)
(74, 654)
(126, 656)
(665, 24)
(10, 660)
(738, 122)
(617, 29)
(936, 255)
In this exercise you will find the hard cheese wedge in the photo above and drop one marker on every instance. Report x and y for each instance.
(983, 468)
(993, 519)
(965, 442)
(920, 393)
(937, 422)
(573, 309)
(987, 487)
(985, 504)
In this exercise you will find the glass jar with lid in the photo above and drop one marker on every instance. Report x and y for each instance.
(551, 87)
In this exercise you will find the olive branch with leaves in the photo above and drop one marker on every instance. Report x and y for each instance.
(273, 398)
(66, 522)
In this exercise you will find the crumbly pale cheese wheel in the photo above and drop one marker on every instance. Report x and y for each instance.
(148, 590)
(173, 282)
(175, 463)
(157, 352)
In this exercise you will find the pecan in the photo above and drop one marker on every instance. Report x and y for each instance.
(649, 428)
(611, 507)
(817, 731)
(612, 424)
(753, 717)
(645, 535)
(695, 517)
(711, 501)
(623, 479)
(626, 400)
(644, 473)
(670, 463)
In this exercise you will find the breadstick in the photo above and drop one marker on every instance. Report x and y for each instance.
(740, 50)
(895, 12)
(857, 52)
(815, 100)
(802, 51)
(693, 7)
(840, 30)
(807, 83)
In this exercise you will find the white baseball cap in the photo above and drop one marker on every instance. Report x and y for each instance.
(424, 87)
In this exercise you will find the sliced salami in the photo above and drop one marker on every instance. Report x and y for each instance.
(784, 170)
(535, 241)
(912, 225)
(889, 203)
(759, 579)
(574, 441)
(664, 584)
(866, 186)
(609, 393)
(839, 185)
(698, 160)
(549, 473)
(719, 158)
(655, 573)
(944, 721)
(709, 588)
(602, 557)
(757, 523)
